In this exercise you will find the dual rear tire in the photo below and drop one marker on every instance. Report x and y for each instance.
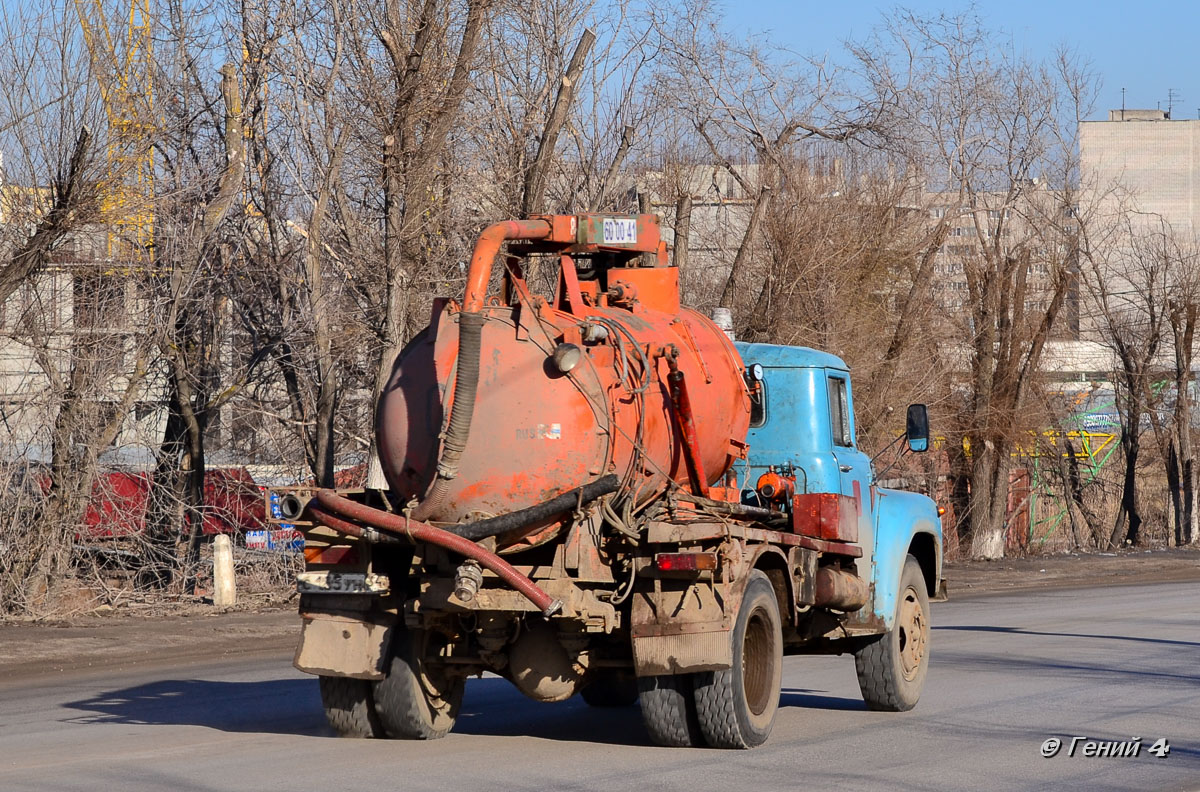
(417, 700)
(733, 707)
(730, 708)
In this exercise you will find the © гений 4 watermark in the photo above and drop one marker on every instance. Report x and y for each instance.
(1082, 746)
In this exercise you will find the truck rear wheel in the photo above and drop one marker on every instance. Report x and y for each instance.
(417, 700)
(737, 706)
(891, 669)
(350, 707)
(611, 689)
(669, 710)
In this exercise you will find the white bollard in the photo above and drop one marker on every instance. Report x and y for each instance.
(224, 590)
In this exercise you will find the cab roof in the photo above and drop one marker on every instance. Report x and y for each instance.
(779, 356)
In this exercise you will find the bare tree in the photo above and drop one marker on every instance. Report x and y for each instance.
(1183, 309)
(70, 336)
(996, 131)
(413, 114)
(1130, 287)
(1146, 294)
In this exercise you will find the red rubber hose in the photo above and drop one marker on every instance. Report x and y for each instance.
(420, 532)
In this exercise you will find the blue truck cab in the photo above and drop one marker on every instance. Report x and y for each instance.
(803, 423)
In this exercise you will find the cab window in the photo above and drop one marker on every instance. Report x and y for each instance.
(758, 403)
(839, 412)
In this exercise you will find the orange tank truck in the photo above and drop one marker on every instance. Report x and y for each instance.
(567, 390)
(591, 491)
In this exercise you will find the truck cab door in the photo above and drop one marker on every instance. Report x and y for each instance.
(853, 465)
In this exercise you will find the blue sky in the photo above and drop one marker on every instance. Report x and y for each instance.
(1144, 46)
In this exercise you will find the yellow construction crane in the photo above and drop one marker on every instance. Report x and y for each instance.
(126, 89)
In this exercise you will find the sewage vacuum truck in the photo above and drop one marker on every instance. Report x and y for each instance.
(601, 494)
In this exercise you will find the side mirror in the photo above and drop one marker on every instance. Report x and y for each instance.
(917, 429)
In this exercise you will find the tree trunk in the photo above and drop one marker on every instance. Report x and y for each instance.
(1129, 517)
(1191, 534)
(989, 501)
(743, 253)
(396, 295)
(535, 178)
(683, 231)
(1175, 489)
(327, 381)
(164, 506)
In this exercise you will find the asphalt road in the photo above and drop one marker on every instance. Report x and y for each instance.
(1008, 672)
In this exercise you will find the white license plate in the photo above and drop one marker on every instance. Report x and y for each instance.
(341, 583)
(620, 231)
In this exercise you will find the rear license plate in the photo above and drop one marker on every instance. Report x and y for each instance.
(341, 583)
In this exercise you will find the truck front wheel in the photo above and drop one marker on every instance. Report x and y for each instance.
(891, 669)
(417, 700)
(737, 706)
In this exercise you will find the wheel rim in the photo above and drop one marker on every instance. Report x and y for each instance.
(758, 663)
(913, 630)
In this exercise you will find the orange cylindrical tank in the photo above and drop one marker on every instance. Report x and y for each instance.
(537, 431)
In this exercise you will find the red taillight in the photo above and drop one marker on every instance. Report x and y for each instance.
(685, 562)
(338, 554)
(941, 510)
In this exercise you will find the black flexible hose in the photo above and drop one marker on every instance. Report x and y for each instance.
(734, 509)
(494, 526)
(458, 431)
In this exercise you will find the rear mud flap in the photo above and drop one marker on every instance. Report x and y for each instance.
(679, 654)
(340, 646)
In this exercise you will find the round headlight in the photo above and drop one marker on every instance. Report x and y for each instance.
(567, 357)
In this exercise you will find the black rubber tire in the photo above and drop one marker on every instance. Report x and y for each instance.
(611, 689)
(891, 668)
(669, 710)
(737, 706)
(350, 707)
(416, 701)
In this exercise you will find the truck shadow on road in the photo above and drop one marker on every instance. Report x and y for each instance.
(1022, 631)
(281, 706)
(491, 707)
(810, 699)
(494, 707)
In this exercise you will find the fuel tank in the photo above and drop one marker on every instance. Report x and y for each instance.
(568, 390)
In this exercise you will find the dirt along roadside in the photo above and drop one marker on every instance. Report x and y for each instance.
(1071, 570)
(116, 642)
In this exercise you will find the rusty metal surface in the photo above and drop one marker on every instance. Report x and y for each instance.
(823, 546)
(437, 595)
(680, 608)
(394, 527)
(679, 654)
(342, 646)
(685, 420)
(537, 431)
(667, 533)
(840, 590)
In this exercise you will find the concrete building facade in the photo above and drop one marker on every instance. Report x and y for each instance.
(1155, 159)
